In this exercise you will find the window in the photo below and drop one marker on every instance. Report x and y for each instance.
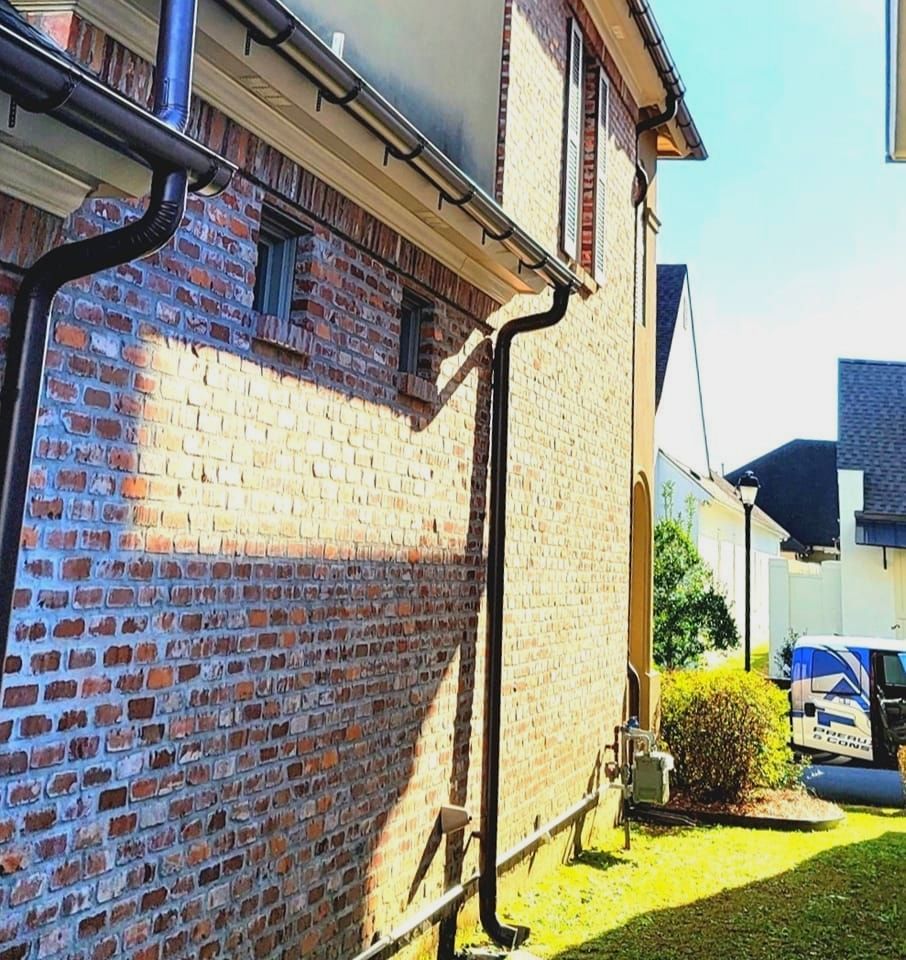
(572, 166)
(275, 270)
(602, 141)
(412, 315)
(894, 669)
(415, 377)
(830, 674)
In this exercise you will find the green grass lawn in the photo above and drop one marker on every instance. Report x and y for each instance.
(722, 893)
(736, 658)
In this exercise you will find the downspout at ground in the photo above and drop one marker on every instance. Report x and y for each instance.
(499, 932)
(30, 320)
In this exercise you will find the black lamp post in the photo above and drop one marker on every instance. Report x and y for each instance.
(747, 490)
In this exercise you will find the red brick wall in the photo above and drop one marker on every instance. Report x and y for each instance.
(246, 663)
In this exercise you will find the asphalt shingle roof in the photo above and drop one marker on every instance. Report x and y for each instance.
(799, 489)
(670, 280)
(872, 430)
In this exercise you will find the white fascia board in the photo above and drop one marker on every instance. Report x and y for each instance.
(270, 98)
(896, 80)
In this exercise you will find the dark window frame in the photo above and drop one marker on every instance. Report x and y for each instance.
(414, 312)
(275, 268)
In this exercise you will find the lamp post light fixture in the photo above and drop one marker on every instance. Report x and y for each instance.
(747, 491)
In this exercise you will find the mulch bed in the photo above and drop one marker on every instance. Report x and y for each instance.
(774, 809)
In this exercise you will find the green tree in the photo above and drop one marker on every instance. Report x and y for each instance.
(691, 613)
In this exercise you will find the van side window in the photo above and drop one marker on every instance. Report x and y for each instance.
(894, 671)
(830, 674)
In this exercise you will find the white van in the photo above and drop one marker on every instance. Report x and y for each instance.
(848, 697)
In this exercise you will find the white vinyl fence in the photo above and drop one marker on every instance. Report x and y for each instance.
(805, 598)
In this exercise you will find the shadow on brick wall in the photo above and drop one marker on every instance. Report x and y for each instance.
(242, 678)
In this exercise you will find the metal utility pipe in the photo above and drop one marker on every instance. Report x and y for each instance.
(30, 321)
(665, 116)
(643, 126)
(505, 935)
(392, 942)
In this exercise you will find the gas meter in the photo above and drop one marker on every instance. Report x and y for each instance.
(650, 777)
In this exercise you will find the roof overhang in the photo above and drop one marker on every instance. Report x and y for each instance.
(640, 52)
(68, 134)
(880, 529)
(265, 91)
(896, 80)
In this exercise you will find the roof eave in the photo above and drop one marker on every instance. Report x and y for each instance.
(77, 99)
(657, 49)
(273, 24)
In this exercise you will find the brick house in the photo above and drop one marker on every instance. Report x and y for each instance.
(251, 651)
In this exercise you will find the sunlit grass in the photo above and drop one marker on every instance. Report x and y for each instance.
(723, 893)
(736, 658)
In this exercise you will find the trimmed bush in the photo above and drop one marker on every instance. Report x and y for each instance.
(728, 732)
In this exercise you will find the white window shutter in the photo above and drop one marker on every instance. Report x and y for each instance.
(572, 171)
(603, 139)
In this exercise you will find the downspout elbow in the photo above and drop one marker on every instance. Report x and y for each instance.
(668, 114)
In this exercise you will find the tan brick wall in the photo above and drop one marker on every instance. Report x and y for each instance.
(571, 436)
(247, 656)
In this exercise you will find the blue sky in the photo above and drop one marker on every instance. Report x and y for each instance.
(794, 229)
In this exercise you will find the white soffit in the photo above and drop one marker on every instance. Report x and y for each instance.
(269, 97)
(625, 44)
(37, 183)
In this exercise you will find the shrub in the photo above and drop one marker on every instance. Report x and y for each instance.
(691, 613)
(728, 732)
(784, 657)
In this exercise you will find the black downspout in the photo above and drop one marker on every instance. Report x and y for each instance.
(30, 321)
(499, 932)
(643, 126)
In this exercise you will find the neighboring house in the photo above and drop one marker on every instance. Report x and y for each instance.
(718, 519)
(799, 489)
(864, 592)
(251, 654)
(680, 426)
(871, 471)
(718, 529)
